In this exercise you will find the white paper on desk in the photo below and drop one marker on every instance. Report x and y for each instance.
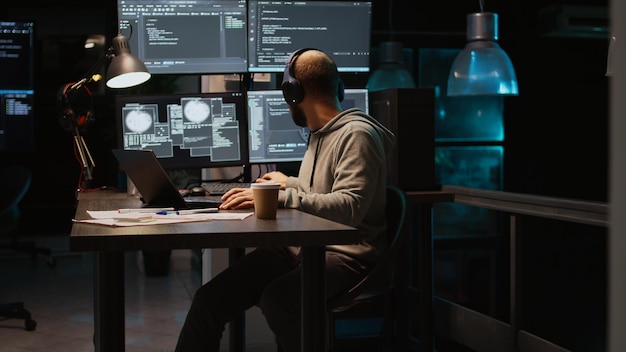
(142, 219)
(114, 218)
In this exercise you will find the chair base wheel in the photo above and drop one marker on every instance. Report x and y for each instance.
(30, 325)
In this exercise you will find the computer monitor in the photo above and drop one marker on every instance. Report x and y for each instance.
(17, 95)
(339, 28)
(186, 37)
(273, 136)
(185, 131)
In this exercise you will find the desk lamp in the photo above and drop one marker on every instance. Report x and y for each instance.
(482, 68)
(74, 98)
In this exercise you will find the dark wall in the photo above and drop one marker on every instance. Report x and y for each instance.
(556, 129)
(555, 144)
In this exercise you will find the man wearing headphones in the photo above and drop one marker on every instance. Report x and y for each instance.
(342, 177)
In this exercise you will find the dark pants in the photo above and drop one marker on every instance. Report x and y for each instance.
(269, 278)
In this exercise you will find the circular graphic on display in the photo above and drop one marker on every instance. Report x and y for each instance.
(197, 111)
(138, 121)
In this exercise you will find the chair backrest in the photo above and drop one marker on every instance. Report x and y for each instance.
(382, 277)
(14, 182)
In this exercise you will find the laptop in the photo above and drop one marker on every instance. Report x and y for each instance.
(153, 183)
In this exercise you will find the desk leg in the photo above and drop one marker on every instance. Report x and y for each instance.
(237, 327)
(109, 302)
(424, 221)
(313, 324)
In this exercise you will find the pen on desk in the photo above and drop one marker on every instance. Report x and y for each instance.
(190, 211)
(144, 210)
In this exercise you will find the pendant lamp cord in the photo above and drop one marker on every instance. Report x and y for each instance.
(390, 19)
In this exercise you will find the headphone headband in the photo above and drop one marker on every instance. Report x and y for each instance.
(75, 107)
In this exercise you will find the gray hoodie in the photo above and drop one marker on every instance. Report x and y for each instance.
(342, 178)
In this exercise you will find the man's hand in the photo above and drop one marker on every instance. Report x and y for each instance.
(238, 198)
(274, 176)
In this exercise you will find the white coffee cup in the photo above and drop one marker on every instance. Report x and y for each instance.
(265, 199)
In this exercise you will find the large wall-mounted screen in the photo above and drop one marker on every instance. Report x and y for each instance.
(278, 28)
(186, 37)
(17, 131)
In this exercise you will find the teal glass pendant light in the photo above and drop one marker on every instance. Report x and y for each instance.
(391, 73)
(482, 67)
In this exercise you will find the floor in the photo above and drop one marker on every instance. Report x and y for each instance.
(60, 299)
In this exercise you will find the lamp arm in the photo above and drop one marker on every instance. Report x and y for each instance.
(88, 77)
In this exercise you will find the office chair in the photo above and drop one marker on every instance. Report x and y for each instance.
(14, 183)
(374, 296)
(372, 299)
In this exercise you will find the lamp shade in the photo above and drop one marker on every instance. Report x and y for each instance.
(391, 73)
(482, 67)
(125, 70)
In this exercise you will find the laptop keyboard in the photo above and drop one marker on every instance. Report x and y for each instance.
(219, 188)
(202, 202)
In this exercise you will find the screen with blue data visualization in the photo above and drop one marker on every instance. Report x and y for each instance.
(186, 131)
(16, 86)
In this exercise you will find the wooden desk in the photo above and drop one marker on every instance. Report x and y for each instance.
(291, 227)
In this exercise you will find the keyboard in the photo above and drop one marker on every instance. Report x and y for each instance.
(219, 188)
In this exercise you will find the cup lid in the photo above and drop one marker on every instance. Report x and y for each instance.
(265, 185)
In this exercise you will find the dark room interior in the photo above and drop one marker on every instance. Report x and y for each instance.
(555, 145)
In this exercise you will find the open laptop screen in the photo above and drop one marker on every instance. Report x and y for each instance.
(153, 183)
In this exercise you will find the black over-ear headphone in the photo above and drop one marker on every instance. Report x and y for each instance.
(75, 107)
(292, 89)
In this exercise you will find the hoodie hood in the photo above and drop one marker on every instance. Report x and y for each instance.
(355, 114)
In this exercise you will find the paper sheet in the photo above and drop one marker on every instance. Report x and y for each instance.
(114, 218)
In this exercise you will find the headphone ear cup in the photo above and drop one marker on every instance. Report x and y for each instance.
(292, 91)
(68, 119)
(85, 120)
(291, 87)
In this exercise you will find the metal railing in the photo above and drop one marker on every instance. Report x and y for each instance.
(470, 328)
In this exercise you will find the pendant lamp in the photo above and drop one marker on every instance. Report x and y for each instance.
(482, 68)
